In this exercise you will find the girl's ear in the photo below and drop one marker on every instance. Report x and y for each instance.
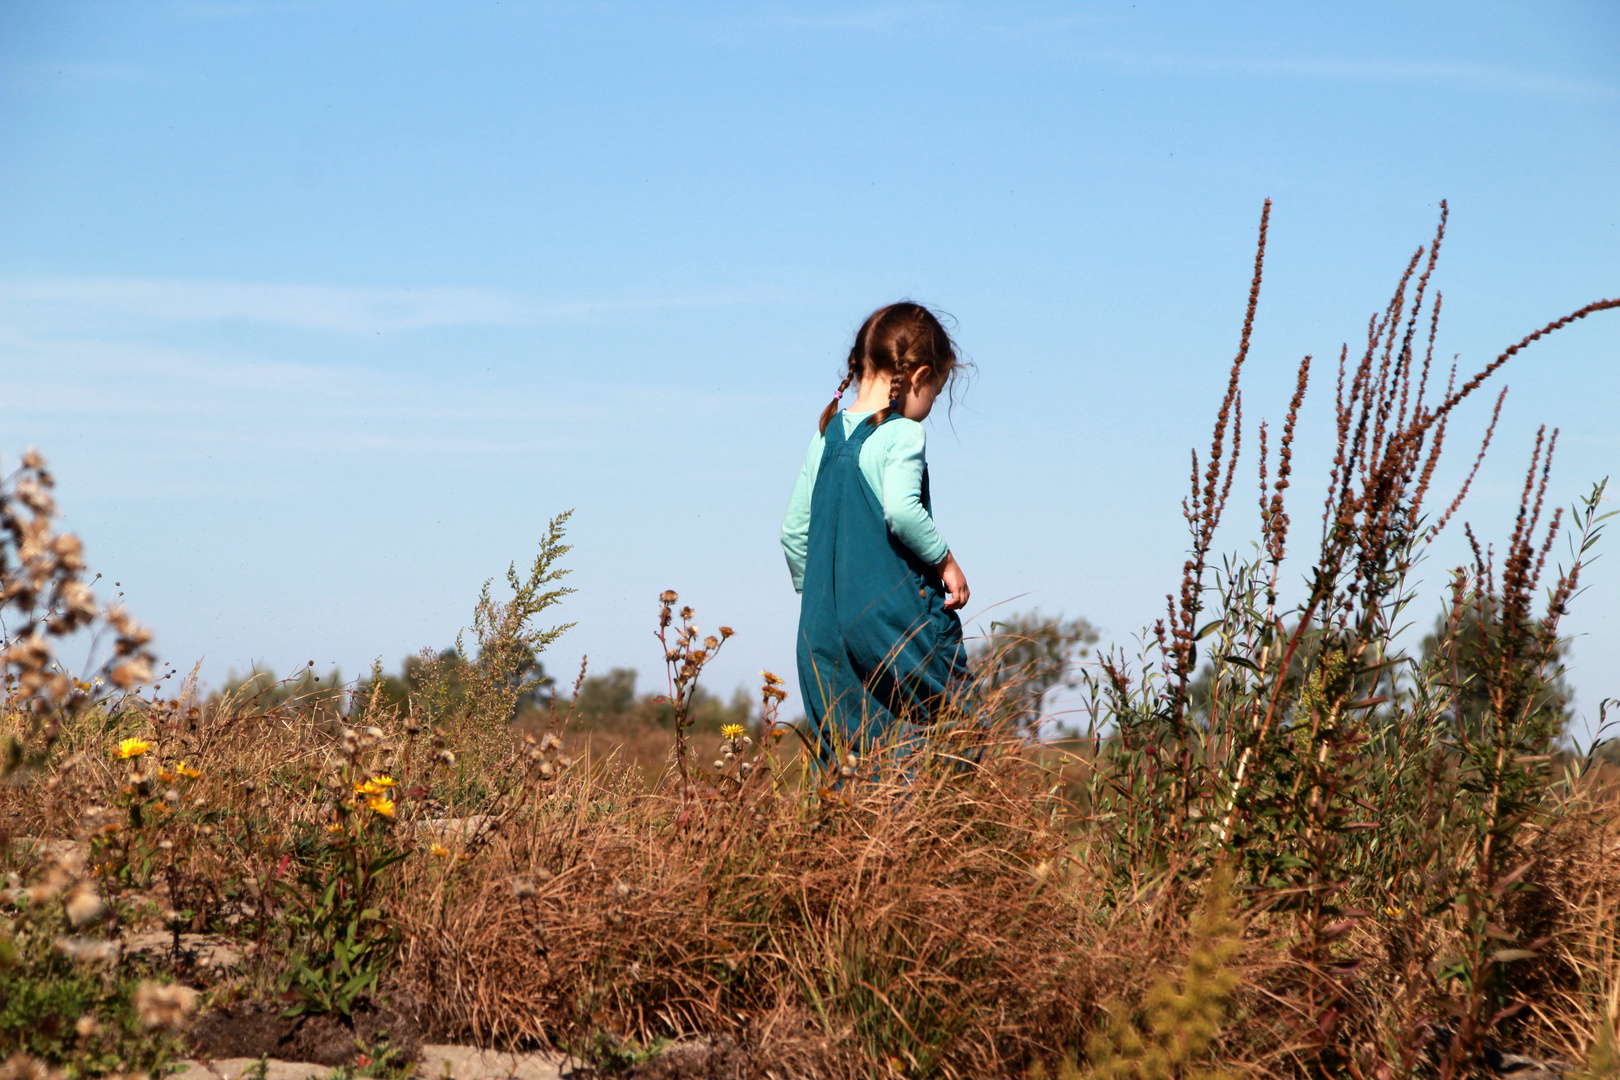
(921, 377)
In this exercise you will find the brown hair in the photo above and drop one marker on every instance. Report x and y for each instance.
(897, 339)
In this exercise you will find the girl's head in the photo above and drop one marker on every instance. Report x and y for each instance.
(906, 345)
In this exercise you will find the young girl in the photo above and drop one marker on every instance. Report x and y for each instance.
(880, 642)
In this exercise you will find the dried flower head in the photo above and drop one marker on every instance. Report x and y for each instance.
(88, 950)
(131, 673)
(164, 1007)
(84, 904)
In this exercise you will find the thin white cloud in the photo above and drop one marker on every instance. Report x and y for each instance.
(70, 74)
(862, 17)
(211, 391)
(1359, 69)
(352, 310)
(1485, 76)
(244, 9)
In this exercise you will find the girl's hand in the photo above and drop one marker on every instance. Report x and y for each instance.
(956, 586)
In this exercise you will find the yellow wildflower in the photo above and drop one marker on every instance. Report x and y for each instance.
(334, 828)
(731, 731)
(370, 787)
(382, 805)
(440, 850)
(166, 776)
(187, 771)
(384, 782)
(132, 748)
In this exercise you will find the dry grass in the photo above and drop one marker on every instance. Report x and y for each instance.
(1420, 879)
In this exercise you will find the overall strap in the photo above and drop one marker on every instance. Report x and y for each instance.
(865, 428)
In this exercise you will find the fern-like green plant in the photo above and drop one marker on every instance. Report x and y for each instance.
(1603, 1059)
(1182, 1021)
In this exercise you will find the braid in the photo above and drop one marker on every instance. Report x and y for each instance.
(898, 386)
(849, 376)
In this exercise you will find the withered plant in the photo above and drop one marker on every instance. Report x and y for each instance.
(1315, 750)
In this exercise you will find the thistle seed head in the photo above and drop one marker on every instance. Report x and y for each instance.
(88, 950)
(84, 904)
(164, 1007)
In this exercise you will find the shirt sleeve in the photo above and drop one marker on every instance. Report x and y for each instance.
(796, 525)
(903, 509)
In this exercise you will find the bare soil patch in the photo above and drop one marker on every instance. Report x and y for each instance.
(252, 1029)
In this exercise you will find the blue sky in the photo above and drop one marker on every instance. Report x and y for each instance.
(321, 310)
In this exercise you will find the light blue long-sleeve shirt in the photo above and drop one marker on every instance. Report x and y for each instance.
(892, 461)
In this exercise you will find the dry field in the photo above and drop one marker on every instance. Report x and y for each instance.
(1283, 848)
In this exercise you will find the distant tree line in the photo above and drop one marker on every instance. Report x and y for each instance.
(606, 698)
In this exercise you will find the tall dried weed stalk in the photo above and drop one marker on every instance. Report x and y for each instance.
(1334, 767)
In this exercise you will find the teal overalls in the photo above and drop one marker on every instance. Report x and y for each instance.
(879, 655)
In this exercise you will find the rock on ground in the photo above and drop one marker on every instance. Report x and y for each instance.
(437, 1061)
